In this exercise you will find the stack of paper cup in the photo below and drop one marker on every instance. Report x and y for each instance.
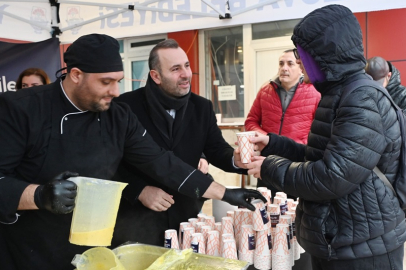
(193, 222)
(281, 194)
(217, 226)
(182, 227)
(247, 244)
(210, 221)
(227, 225)
(287, 219)
(280, 250)
(198, 244)
(238, 214)
(187, 237)
(260, 217)
(199, 226)
(245, 146)
(290, 204)
(213, 243)
(274, 213)
(246, 217)
(263, 250)
(230, 214)
(282, 204)
(171, 239)
(296, 248)
(201, 217)
(229, 249)
(265, 192)
(204, 231)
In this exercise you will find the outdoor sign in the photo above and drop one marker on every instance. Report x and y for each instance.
(159, 16)
(17, 57)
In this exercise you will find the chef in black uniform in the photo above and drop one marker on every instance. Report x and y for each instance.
(71, 127)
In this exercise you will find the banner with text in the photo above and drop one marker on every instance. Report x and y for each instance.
(141, 22)
(17, 57)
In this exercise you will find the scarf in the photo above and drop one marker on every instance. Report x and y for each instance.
(158, 102)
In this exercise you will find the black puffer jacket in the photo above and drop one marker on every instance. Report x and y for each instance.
(395, 89)
(345, 210)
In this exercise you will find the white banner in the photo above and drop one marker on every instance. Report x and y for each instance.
(149, 17)
(25, 21)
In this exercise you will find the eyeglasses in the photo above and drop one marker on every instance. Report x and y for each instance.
(296, 53)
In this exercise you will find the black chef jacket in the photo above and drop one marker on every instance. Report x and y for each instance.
(43, 134)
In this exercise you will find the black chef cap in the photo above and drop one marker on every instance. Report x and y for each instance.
(94, 53)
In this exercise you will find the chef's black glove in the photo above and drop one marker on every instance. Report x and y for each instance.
(58, 195)
(242, 197)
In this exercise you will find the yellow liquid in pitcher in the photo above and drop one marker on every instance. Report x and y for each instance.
(92, 238)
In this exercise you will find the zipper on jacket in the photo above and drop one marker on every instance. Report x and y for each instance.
(329, 252)
(283, 116)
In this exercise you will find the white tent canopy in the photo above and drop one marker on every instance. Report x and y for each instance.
(38, 20)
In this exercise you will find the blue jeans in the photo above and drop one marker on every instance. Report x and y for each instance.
(389, 261)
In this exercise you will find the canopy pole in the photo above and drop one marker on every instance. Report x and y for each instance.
(45, 27)
(214, 8)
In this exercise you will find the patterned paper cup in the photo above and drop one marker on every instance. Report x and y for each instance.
(229, 249)
(210, 221)
(281, 194)
(193, 222)
(265, 192)
(227, 225)
(201, 217)
(205, 230)
(260, 217)
(182, 227)
(290, 204)
(247, 217)
(198, 244)
(213, 243)
(287, 219)
(238, 214)
(245, 146)
(247, 240)
(230, 214)
(249, 258)
(199, 226)
(280, 251)
(187, 237)
(171, 239)
(296, 247)
(217, 226)
(263, 250)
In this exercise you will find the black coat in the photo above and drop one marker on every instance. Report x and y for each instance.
(198, 134)
(395, 89)
(345, 211)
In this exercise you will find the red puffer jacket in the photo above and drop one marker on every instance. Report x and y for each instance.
(266, 113)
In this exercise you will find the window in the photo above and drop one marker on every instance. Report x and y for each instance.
(224, 72)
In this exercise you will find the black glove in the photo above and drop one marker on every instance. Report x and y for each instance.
(58, 195)
(242, 197)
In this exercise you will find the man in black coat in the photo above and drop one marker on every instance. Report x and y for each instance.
(179, 121)
(387, 74)
(347, 218)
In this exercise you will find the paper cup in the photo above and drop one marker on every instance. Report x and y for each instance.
(263, 250)
(281, 194)
(229, 249)
(227, 225)
(238, 214)
(213, 243)
(204, 231)
(171, 239)
(199, 226)
(217, 226)
(198, 244)
(210, 221)
(201, 217)
(193, 222)
(296, 247)
(246, 217)
(187, 237)
(182, 227)
(247, 240)
(245, 146)
(287, 219)
(230, 214)
(260, 218)
(249, 258)
(280, 250)
(265, 192)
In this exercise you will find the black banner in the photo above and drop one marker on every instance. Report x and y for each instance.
(14, 58)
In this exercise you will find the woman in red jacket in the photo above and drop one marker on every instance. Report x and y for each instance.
(285, 106)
